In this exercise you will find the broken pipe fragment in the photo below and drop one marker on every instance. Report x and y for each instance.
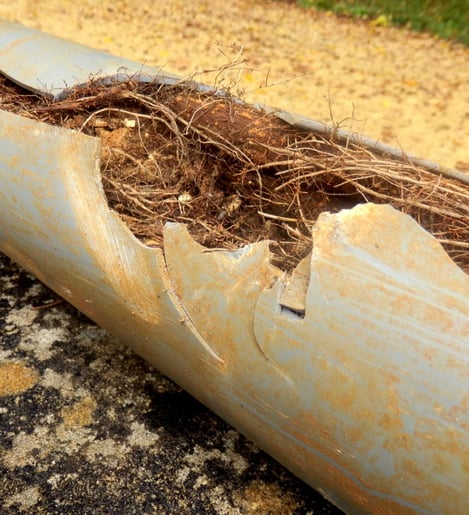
(352, 371)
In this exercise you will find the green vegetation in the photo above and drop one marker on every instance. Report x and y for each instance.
(448, 19)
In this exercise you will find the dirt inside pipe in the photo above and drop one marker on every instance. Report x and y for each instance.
(233, 173)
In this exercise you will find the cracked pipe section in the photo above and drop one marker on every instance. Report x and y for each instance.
(331, 370)
(352, 372)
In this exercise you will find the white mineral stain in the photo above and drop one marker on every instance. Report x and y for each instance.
(22, 317)
(40, 341)
(140, 436)
(107, 448)
(26, 498)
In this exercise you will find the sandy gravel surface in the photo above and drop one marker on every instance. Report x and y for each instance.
(406, 89)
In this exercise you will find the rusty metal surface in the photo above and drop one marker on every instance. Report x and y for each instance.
(353, 372)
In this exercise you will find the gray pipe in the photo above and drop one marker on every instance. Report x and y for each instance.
(365, 397)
